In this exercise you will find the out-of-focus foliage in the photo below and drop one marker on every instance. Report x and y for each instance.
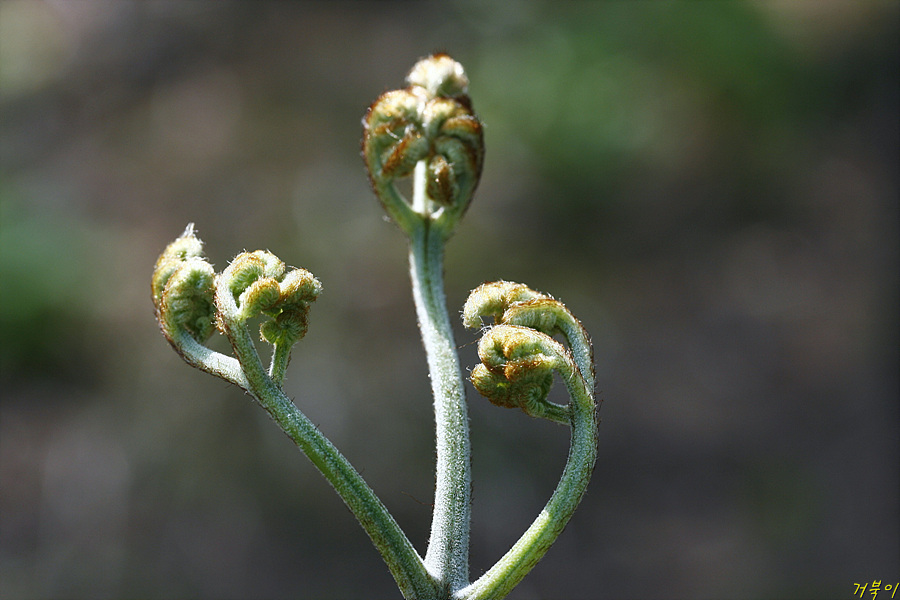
(719, 180)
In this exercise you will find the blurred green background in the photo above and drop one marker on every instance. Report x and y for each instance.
(712, 187)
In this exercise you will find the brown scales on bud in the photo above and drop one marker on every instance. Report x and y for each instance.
(260, 286)
(518, 353)
(430, 121)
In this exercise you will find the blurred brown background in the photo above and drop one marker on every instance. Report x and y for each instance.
(711, 187)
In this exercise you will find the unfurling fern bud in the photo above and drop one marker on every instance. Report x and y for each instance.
(493, 299)
(517, 304)
(518, 354)
(255, 283)
(182, 286)
(186, 246)
(429, 125)
(516, 369)
(288, 324)
(191, 302)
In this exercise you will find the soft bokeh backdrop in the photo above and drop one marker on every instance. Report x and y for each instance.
(712, 187)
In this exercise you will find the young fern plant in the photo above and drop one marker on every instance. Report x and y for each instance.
(429, 132)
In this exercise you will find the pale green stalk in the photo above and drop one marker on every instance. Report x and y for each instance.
(281, 356)
(447, 558)
(402, 559)
(210, 361)
(500, 579)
